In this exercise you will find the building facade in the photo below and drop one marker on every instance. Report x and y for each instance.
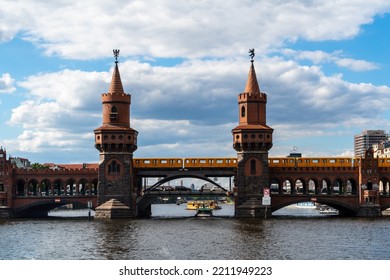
(367, 139)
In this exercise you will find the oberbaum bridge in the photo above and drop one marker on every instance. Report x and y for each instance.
(116, 188)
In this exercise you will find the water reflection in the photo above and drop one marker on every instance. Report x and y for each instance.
(174, 233)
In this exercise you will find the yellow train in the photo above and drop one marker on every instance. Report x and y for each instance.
(184, 162)
(313, 162)
(232, 162)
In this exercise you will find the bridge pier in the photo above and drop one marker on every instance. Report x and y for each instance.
(145, 213)
(6, 213)
(253, 208)
(370, 211)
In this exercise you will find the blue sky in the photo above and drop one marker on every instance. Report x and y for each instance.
(325, 68)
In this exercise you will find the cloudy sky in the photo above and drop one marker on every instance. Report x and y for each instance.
(324, 64)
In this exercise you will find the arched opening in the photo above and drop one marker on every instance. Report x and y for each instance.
(313, 187)
(242, 111)
(253, 167)
(94, 184)
(58, 187)
(183, 188)
(275, 187)
(83, 187)
(20, 187)
(325, 189)
(45, 187)
(300, 187)
(33, 187)
(337, 187)
(70, 187)
(384, 188)
(114, 113)
(287, 188)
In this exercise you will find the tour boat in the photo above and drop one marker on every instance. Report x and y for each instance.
(204, 211)
(196, 204)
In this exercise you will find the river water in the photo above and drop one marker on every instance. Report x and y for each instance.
(174, 233)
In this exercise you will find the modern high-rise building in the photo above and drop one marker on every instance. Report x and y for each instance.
(366, 139)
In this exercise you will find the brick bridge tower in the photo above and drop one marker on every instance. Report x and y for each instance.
(369, 186)
(252, 139)
(116, 142)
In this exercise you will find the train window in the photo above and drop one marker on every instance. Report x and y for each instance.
(275, 161)
(146, 161)
(164, 161)
(291, 161)
(202, 161)
(332, 161)
(221, 161)
(315, 161)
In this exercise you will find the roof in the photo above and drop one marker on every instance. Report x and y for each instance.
(252, 86)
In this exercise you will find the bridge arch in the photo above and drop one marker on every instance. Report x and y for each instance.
(41, 207)
(186, 175)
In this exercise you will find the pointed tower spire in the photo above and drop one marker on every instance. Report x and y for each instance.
(116, 82)
(252, 85)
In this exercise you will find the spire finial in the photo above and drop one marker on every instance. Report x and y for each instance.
(116, 54)
(252, 54)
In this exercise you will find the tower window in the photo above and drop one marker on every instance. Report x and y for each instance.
(243, 111)
(114, 113)
(253, 166)
(114, 168)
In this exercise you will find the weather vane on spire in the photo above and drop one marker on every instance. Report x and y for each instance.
(252, 54)
(116, 54)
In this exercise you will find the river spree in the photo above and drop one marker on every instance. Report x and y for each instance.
(174, 233)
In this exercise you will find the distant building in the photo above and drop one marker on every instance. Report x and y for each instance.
(382, 149)
(367, 139)
(19, 162)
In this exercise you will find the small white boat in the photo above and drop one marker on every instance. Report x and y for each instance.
(326, 210)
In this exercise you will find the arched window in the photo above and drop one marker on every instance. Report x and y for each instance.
(114, 113)
(114, 168)
(243, 111)
(253, 166)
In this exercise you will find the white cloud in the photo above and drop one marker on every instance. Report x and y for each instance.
(7, 83)
(321, 57)
(190, 109)
(87, 29)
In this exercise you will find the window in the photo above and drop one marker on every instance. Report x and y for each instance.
(243, 111)
(114, 168)
(253, 166)
(114, 113)
(1, 187)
